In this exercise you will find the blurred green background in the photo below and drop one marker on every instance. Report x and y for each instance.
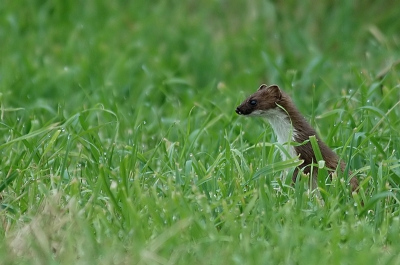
(68, 52)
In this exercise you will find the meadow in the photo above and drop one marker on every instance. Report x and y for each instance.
(119, 141)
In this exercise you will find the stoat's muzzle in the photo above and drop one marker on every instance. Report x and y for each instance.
(238, 111)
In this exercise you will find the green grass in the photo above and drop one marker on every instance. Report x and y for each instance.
(119, 142)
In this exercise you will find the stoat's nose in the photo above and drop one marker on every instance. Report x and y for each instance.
(238, 111)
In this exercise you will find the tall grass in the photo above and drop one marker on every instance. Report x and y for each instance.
(119, 142)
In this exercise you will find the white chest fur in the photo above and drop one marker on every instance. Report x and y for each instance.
(282, 127)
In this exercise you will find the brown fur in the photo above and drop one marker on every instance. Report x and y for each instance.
(269, 97)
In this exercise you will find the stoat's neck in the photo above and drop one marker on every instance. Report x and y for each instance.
(283, 129)
(282, 125)
(301, 128)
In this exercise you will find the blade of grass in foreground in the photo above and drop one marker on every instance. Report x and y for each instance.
(277, 167)
(12, 175)
(322, 171)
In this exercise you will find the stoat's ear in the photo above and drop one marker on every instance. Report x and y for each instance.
(275, 90)
(262, 86)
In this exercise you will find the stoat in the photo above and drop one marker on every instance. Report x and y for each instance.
(288, 124)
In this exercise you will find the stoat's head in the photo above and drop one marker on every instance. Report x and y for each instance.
(265, 99)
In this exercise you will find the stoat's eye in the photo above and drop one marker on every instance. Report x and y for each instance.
(253, 102)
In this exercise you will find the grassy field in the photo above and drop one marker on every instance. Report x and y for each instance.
(120, 145)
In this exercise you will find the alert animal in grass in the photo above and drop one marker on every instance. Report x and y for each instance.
(288, 123)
